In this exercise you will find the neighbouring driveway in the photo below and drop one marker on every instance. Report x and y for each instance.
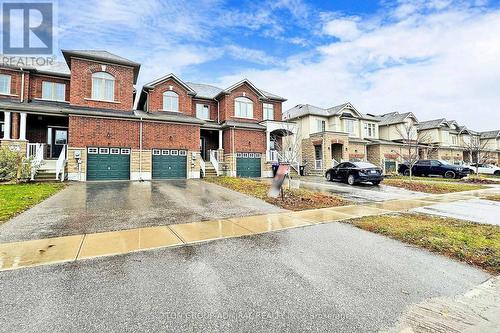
(360, 193)
(475, 210)
(324, 278)
(104, 206)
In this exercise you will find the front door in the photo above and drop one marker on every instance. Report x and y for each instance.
(203, 148)
(59, 138)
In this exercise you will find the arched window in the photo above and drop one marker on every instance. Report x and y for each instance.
(103, 86)
(243, 107)
(170, 101)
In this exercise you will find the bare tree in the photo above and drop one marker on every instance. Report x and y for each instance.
(414, 141)
(288, 144)
(477, 151)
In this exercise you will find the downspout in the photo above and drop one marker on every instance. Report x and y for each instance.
(22, 85)
(218, 112)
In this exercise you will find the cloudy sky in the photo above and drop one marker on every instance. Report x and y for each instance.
(435, 58)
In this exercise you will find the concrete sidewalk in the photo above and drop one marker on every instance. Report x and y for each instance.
(72, 248)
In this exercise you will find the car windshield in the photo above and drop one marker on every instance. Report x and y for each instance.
(364, 165)
(444, 162)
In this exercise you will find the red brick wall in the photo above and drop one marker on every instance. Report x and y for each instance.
(277, 110)
(35, 85)
(211, 104)
(156, 97)
(81, 85)
(86, 131)
(244, 141)
(15, 83)
(164, 135)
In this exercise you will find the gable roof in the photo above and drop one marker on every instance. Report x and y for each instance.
(301, 110)
(430, 124)
(205, 90)
(169, 76)
(490, 134)
(395, 118)
(101, 55)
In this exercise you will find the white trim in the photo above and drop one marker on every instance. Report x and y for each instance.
(174, 152)
(182, 152)
(125, 151)
(92, 150)
(156, 152)
(104, 151)
(165, 152)
(114, 151)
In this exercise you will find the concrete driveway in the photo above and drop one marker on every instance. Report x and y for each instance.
(92, 207)
(360, 193)
(324, 278)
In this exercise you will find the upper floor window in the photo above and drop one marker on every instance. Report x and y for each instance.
(370, 130)
(320, 125)
(454, 139)
(349, 126)
(53, 91)
(268, 111)
(170, 101)
(103, 86)
(243, 107)
(4, 84)
(202, 111)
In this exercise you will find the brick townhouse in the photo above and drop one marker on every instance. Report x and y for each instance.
(79, 117)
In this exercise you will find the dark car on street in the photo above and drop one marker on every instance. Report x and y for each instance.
(442, 168)
(355, 172)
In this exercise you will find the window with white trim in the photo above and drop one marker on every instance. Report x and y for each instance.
(370, 130)
(243, 107)
(103, 87)
(170, 101)
(320, 125)
(268, 111)
(202, 111)
(53, 91)
(5, 84)
(349, 127)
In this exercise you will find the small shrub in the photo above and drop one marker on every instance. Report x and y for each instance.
(13, 165)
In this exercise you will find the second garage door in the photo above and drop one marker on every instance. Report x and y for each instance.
(104, 163)
(248, 165)
(169, 164)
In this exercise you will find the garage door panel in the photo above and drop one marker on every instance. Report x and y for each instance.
(169, 166)
(248, 166)
(107, 166)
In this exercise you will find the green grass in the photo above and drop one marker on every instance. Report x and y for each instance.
(15, 198)
(294, 199)
(431, 186)
(476, 244)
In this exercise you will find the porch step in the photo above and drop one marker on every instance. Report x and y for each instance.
(45, 175)
(48, 165)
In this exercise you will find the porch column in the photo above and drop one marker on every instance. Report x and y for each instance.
(15, 125)
(22, 130)
(268, 140)
(220, 139)
(6, 133)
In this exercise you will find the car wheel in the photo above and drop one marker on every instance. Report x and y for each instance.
(406, 172)
(449, 174)
(329, 177)
(350, 180)
(376, 183)
(497, 173)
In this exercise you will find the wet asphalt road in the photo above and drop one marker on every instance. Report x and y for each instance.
(360, 193)
(324, 278)
(106, 206)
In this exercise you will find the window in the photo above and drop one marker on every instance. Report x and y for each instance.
(202, 111)
(4, 84)
(370, 130)
(243, 107)
(349, 126)
(446, 136)
(53, 91)
(320, 125)
(454, 140)
(103, 86)
(170, 101)
(268, 111)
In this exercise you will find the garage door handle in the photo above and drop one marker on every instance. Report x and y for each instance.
(109, 168)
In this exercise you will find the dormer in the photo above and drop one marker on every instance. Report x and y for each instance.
(100, 79)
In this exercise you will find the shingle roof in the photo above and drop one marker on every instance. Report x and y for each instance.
(307, 109)
(429, 124)
(490, 134)
(205, 90)
(393, 118)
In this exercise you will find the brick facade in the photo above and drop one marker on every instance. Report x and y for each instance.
(227, 104)
(35, 85)
(251, 141)
(81, 88)
(156, 97)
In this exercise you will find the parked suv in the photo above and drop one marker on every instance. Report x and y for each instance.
(434, 168)
(488, 169)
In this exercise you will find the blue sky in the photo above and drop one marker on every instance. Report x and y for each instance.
(437, 58)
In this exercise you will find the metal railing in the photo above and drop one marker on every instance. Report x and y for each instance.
(61, 163)
(318, 164)
(335, 162)
(214, 159)
(202, 165)
(272, 156)
(37, 151)
(32, 148)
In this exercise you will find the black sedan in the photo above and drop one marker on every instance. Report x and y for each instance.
(355, 172)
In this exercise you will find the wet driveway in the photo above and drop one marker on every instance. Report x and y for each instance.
(105, 206)
(359, 193)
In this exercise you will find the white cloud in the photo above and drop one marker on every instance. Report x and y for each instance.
(251, 55)
(441, 64)
(343, 29)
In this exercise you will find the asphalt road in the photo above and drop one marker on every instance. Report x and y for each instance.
(324, 278)
(106, 206)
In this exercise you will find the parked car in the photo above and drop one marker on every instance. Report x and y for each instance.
(355, 172)
(488, 169)
(434, 168)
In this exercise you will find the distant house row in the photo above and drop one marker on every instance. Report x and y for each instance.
(84, 119)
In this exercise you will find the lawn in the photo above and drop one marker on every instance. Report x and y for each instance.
(473, 243)
(15, 198)
(493, 197)
(294, 199)
(434, 187)
(473, 179)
